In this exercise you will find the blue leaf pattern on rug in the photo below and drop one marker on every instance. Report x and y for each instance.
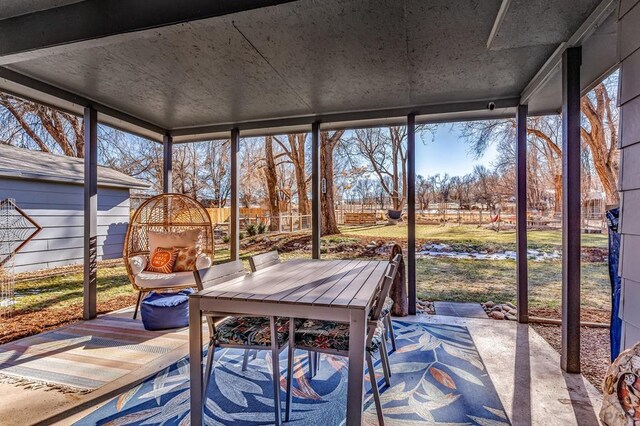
(438, 378)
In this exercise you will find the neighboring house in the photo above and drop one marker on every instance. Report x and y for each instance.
(49, 188)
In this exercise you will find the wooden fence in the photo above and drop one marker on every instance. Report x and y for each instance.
(221, 215)
(254, 215)
(367, 218)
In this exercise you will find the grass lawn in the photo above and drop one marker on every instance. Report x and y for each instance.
(474, 236)
(480, 281)
(64, 291)
(47, 303)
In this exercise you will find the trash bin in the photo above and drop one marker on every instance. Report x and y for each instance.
(614, 257)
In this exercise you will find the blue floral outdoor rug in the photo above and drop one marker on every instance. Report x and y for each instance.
(438, 378)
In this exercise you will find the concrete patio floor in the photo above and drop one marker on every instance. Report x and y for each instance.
(23, 406)
(522, 365)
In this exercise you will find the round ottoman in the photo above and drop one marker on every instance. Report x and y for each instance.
(162, 311)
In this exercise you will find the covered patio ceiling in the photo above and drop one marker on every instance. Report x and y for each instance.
(199, 69)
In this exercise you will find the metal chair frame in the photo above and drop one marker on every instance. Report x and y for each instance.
(372, 324)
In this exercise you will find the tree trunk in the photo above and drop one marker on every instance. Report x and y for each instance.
(603, 152)
(399, 287)
(329, 225)
(297, 143)
(557, 186)
(271, 178)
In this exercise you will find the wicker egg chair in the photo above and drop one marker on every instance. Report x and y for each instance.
(165, 213)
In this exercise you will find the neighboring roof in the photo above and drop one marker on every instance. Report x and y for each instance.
(20, 163)
(296, 62)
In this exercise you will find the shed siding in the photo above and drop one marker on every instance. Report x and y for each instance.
(58, 208)
(629, 51)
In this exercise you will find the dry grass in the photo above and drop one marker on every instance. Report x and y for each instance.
(480, 281)
(48, 303)
(474, 236)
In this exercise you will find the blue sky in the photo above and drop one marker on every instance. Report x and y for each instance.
(447, 153)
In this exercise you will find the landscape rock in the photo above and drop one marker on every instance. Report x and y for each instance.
(510, 317)
(497, 315)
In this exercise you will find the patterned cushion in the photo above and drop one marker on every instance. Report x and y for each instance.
(188, 238)
(162, 260)
(331, 335)
(186, 260)
(251, 331)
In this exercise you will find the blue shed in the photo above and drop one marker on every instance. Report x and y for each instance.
(49, 188)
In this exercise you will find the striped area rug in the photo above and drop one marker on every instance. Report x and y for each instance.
(87, 355)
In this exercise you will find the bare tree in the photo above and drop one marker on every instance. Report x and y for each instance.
(328, 143)
(30, 125)
(216, 171)
(423, 192)
(294, 147)
(485, 188)
(599, 132)
(462, 188)
(271, 178)
(251, 188)
(385, 150)
(442, 184)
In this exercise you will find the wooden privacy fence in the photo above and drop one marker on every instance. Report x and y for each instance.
(460, 216)
(254, 215)
(221, 215)
(365, 218)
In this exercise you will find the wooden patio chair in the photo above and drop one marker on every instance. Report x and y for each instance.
(335, 336)
(256, 332)
(165, 214)
(264, 260)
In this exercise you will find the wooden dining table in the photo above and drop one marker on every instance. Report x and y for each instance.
(335, 290)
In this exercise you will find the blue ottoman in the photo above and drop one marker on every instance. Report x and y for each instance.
(161, 311)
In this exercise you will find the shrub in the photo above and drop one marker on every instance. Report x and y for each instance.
(262, 227)
(251, 229)
(241, 235)
(225, 239)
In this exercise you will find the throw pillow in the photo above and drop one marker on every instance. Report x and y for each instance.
(186, 260)
(162, 260)
(203, 261)
(189, 238)
(137, 264)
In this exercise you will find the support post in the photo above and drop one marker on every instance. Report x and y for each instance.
(90, 212)
(234, 218)
(522, 277)
(316, 190)
(167, 164)
(570, 355)
(411, 211)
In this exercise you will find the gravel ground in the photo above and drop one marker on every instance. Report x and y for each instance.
(594, 349)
